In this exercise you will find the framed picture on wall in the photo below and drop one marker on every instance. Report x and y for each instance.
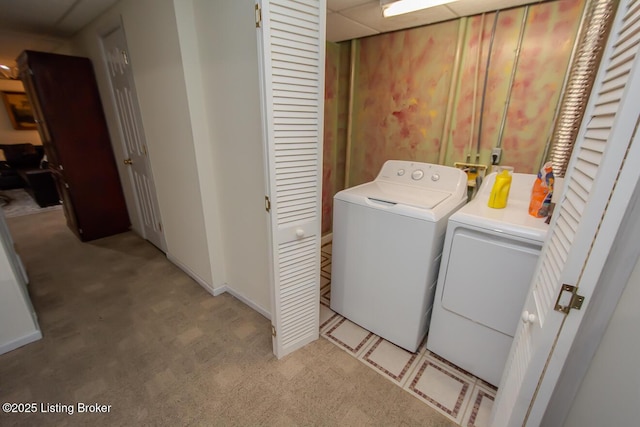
(19, 110)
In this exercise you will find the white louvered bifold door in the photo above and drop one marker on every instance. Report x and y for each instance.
(291, 38)
(576, 247)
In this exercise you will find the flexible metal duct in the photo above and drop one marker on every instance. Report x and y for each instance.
(585, 59)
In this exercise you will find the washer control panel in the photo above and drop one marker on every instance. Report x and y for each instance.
(425, 175)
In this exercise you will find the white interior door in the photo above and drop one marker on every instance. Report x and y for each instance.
(583, 229)
(291, 44)
(116, 57)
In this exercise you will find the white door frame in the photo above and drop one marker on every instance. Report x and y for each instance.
(615, 275)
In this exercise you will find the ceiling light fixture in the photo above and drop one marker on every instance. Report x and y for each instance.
(8, 73)
(399, 7)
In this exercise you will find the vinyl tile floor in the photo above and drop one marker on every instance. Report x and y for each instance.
(453, 392)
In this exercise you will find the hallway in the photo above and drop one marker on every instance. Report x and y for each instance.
(124, 327)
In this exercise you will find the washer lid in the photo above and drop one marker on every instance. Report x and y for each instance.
(394, 194)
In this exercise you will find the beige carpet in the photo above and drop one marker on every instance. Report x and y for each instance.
(124, 327)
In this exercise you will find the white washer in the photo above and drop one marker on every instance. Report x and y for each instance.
(387, 243)
(488, 261)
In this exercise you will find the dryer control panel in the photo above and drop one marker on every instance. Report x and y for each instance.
(424, 175)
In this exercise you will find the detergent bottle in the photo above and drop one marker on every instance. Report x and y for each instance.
(500, 190)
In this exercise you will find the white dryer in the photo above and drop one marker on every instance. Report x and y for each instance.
(488, 262)
(387, 243)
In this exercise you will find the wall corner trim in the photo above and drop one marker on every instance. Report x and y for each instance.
(19, 342)
(215, 291)
(191, 274)
(243, 299)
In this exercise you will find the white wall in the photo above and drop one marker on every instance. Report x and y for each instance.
(17, 324)
(193, 79)
(610, 391)
(9, 135)
(154, 50)
(229, 60)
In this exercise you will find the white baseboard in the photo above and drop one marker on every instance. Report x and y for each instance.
(191, 274)
(246, 301)
(327, 238)
(19, 342)
(220, 289)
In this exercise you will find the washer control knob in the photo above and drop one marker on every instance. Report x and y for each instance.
(435, 177)
(400, 172)
(417, 174)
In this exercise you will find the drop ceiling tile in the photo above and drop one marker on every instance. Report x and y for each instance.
(341, 28)
(471, 7)
(84, 12)
(370, 15)
(337, 5)
(31, 15)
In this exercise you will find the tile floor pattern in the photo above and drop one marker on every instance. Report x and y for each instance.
(455, 393)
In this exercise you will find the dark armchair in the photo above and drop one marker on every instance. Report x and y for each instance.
(22, 168)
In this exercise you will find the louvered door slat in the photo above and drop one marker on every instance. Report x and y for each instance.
(310, 8)
(631, 40)
(633, 16)
(293, 52)
(611, 95)
(595, 134)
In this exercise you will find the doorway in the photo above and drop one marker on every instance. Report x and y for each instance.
(146, 214)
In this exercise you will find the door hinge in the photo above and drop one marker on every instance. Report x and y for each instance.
(568, 301)
(125, 57)
(258, 16)
(267, 203)
(273, 331)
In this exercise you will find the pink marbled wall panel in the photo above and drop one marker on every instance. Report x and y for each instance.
(332, 62)
(402, 84)
(343, 115)
(548, 41)
(335, 127)
(463, 137)
(401, 89)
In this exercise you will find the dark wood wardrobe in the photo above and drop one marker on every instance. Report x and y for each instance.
(66, 104)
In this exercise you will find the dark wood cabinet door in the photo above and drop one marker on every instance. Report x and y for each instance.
(67, 104)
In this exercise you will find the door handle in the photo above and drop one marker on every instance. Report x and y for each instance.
(528, 317)
(128, 162)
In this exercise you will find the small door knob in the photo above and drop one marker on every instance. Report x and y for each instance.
(528, 317)
(300, 233)
(128, 162)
